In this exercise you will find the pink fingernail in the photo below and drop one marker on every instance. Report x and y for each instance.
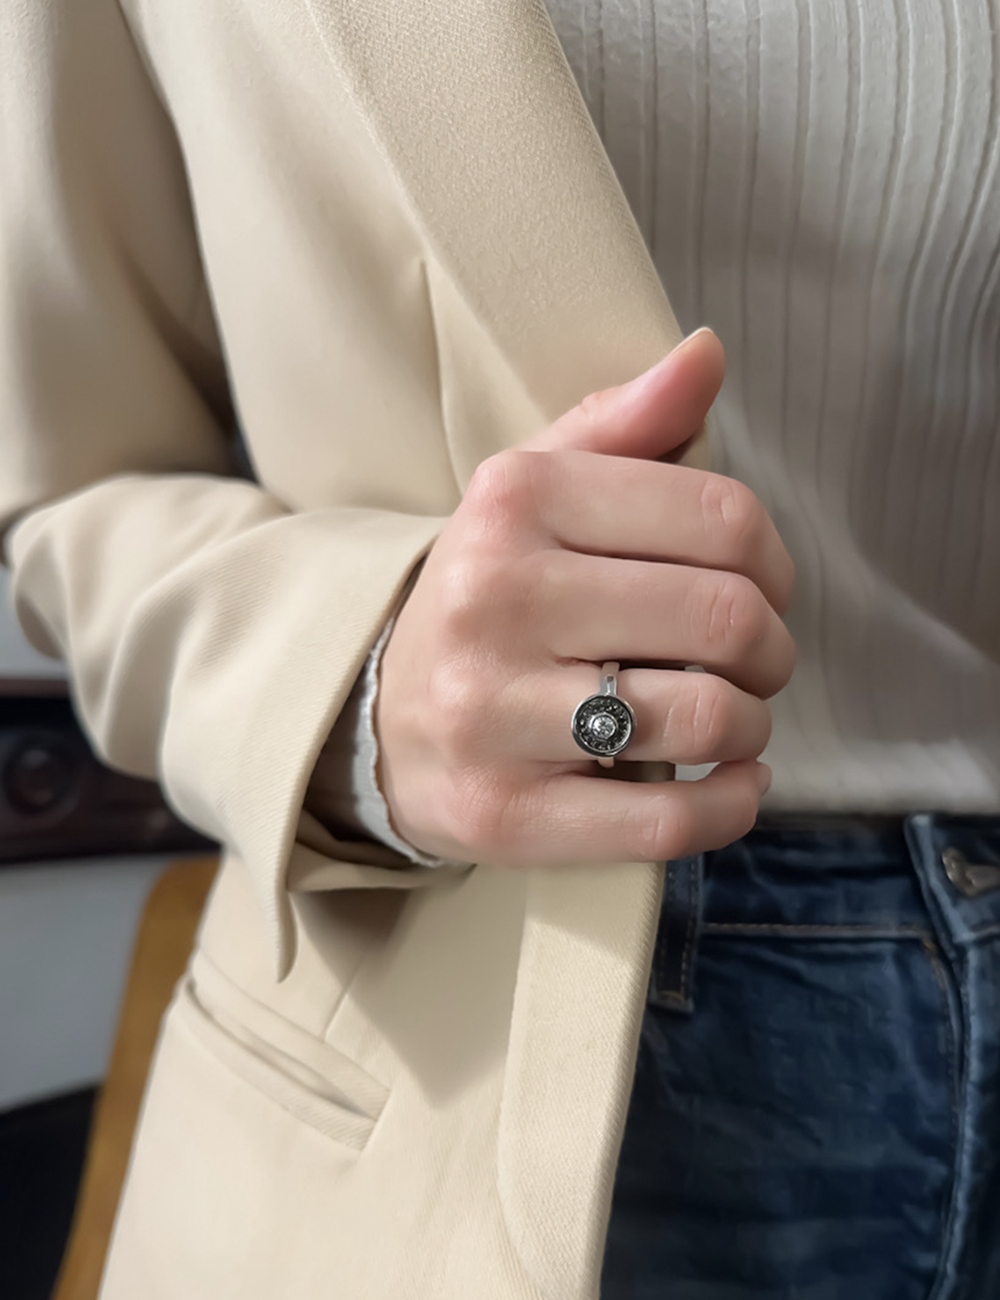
(702, 329)
(655, 368)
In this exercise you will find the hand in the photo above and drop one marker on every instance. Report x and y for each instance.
(576, 548)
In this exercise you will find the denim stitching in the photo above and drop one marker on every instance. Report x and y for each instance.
(985, 931)
(963, 993)
(689, 937)
(911, 931)
(931, 949)
(942, 1281)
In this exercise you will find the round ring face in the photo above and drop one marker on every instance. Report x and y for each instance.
(603, 725)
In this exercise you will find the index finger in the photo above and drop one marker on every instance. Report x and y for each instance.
(634, 509)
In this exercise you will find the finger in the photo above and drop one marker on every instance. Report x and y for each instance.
(653, 414)
(611, 506)
(584, 819)
(681, 717)
(597, 609)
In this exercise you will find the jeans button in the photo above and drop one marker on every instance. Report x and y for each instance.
(969, 878)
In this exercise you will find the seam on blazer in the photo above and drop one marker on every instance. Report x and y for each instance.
(439, 375)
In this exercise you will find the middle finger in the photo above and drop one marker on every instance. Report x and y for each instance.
(634, 610)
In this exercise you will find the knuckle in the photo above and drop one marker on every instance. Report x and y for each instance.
(594, 407)
(656, 832)
(705, 721)
(731, 506)
(745, 806)
(784, 661)
(786, 585)
(718, 723)
(735, 614)
(503, 487)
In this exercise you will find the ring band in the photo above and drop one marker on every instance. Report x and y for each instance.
(603, 724)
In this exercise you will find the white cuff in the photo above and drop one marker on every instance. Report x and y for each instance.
(372, 809)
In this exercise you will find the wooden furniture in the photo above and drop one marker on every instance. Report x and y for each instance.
(163, 945)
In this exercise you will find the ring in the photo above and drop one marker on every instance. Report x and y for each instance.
(603, 724)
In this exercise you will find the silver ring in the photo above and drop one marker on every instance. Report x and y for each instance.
(603, 724)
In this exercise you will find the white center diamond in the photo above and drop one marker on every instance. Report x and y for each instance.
(603, 726)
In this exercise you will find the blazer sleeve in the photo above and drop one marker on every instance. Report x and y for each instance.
(210, 634)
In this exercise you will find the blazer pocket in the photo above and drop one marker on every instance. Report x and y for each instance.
(303, 1075)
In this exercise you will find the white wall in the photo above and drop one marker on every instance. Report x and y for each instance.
(17, 658)
(66, 935)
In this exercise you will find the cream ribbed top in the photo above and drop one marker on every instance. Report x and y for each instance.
(819, 180)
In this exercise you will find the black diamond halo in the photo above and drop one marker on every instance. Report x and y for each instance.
(603, 725)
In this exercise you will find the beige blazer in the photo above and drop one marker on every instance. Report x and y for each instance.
(387, 229)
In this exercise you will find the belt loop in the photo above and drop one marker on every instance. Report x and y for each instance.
(957, 861)
(672, 977)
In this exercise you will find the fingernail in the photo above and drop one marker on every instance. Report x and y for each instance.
(647, 376)
(764, 776)
(702, 329)
(636, 386)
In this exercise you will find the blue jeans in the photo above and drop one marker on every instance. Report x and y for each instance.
(816, 1108)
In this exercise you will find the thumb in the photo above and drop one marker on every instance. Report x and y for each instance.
(650, 416)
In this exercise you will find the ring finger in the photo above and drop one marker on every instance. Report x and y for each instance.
(681, 717)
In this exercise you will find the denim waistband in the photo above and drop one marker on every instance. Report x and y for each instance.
(926, 874)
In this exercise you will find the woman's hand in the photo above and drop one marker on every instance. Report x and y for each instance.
(574, 549)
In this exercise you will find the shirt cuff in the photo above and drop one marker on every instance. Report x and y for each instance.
(344, 792)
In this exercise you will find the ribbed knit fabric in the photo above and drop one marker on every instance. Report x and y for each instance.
(819, 180)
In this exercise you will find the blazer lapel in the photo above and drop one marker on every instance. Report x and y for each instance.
(478, 115)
